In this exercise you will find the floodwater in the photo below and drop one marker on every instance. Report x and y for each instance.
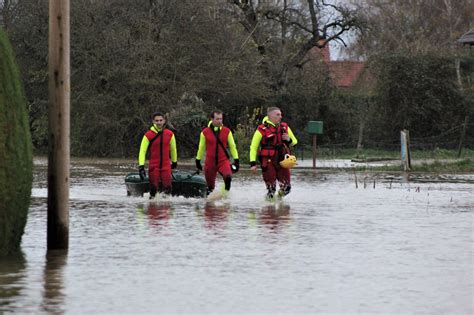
(401, 247)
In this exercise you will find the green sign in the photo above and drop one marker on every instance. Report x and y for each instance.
(315, 127)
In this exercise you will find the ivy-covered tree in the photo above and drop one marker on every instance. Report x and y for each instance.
(15, 153)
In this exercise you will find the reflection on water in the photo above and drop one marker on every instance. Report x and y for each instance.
(16, 289)
(12, 274)
(216, 214)
(53, 293)
(328, 248)
(157, 213)
(275, 215)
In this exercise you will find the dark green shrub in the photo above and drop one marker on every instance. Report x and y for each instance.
(15, 153)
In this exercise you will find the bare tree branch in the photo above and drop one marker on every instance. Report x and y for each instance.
(314, 19)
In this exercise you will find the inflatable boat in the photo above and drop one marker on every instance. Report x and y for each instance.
(185, 183)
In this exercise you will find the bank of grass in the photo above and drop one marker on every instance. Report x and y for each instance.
(437, 161)
(455, 166)
(376, 154)
(464, 165)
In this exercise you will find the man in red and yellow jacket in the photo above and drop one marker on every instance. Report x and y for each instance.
(216, 140)
(271, 141)
(161, 145)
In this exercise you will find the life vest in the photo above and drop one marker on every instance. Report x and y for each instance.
(216, 152)
(272, 142)
(159, 148)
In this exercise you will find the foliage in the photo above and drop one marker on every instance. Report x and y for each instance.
(185, 58)
(244, 133)
(15, 153)
(187, 121)
(130, 59)
(284, 32)
(412, 27)
(418, 93)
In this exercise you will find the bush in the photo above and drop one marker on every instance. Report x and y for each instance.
(16, 165)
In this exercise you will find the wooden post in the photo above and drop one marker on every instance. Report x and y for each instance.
(59, 109)
(463, 134)
(405, 150)
(314, 150)
(408, 148)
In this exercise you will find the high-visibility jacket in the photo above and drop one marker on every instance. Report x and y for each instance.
(216, 152)
(161, 145)
(268, 138)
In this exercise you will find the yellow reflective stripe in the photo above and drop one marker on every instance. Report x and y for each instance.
(294, 141)
(173, 150)
(202, 147)
(143, 148)
(232, 146)
(257, 137)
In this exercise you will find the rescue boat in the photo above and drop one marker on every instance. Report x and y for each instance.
(185, 183)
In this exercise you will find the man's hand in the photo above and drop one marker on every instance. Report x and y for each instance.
(253, 166)
(285, 137)
(174, 165)
(236, 166)
(198, 164)
(141, 172)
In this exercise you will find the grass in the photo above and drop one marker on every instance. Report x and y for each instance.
(442, 160)
(375, 154)
(465, 165)
(456, 166)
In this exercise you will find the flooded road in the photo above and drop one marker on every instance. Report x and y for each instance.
(401, 247)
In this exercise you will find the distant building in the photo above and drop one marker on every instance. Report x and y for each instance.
(467, 38)
(343, 74)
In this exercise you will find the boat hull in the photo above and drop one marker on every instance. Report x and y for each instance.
(185, 183)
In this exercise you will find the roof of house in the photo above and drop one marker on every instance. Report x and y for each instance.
(345, 73)
(467, 38)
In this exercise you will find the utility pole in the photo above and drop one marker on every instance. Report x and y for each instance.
(59, 109)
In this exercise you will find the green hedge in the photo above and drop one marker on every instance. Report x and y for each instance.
(16, 165)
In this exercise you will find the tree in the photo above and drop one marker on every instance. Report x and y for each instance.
(414, 27)
(130, 59)
(284, 31)
(418, 93)
(16, 160)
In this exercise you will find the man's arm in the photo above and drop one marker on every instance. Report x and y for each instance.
(293, 139)
(143, 148)
(173, 150)
(257, 137)
(202, 147)
(232, 146)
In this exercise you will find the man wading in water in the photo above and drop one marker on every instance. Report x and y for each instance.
(215, 140)
(271, 142)
(161, 145)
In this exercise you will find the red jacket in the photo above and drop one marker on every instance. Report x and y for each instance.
(159, 148)
(215, 152)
